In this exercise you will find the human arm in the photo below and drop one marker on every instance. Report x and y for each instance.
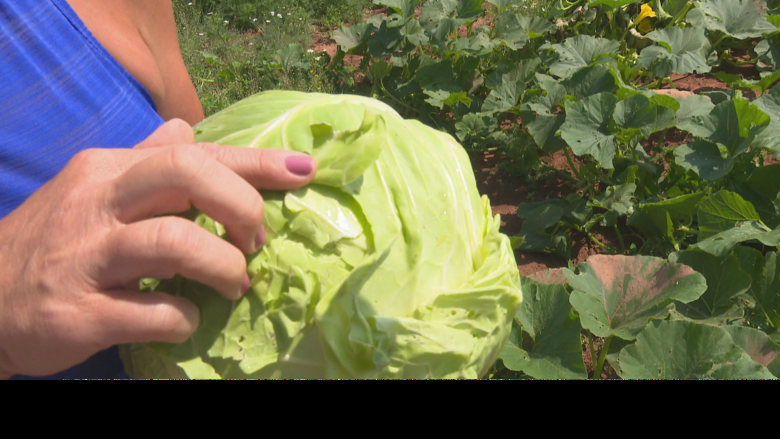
(141, 35)
(71, 255)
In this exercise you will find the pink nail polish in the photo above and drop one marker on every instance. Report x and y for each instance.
(246, 285)
(299, 165)
(261, 239)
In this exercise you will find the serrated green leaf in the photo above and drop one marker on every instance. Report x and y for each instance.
(761, 190)
(547, 317)
(683, 51)
(722, 212)
(290, 57)
(442, 95)
(768, 51)
(386, 41)
(591, 81)
(351, 37)
(475, 126)
(686, 350)
(737, 122)
(380, 69)
(578, 52)
(439, 20)
(704, 158)
(725, 281)
(404, 7)
(667, 9)
(638, 112)
(470, 9)
(576, 210)
(723, 242)
(616, 198)
(435, 73)
(535, 27)
(659, 218)
(770, 103)
(504, 98)
(691, 110)
(617, 295)
(509, 30)
(585, 128)
(740, 19)
(538, 239)
(540, 119)
(510, 71)
(765, 286)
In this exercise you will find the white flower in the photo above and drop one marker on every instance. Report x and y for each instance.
(317, 58)
(310, 51)
(273, 13)
(254, 19)
(267, 21)
(201, 34)
(189, 4)
(279, 15)
(226, 22)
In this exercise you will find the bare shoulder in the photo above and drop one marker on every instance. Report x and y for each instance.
(141, 35)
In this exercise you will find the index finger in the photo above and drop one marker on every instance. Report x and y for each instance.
(272, 169)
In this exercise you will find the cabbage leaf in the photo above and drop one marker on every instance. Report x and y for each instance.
(389, 265)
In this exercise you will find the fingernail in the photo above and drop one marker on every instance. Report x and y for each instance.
(246, 285)
(260, 239)
(299, 165)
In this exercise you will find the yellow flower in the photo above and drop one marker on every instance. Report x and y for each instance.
(643, 21)
(645, 26)
(646, 12)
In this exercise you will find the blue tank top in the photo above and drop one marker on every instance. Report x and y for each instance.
(61, 92)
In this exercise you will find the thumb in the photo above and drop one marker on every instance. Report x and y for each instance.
(133, 317)
(173, 132)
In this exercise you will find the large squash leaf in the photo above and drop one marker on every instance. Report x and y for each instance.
(740, 19)
(554, 330)
(686, 350)
(617, 295)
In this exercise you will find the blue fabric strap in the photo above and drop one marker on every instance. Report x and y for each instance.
(61, 93)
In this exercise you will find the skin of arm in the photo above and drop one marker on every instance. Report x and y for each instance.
(141, 35)
(72, 254)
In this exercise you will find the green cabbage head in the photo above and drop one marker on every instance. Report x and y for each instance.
(389, 265)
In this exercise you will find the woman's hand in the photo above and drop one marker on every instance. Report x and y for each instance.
(72, 254)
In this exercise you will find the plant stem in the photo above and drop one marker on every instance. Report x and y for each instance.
(571, 164)
(591, 237)
(382, 85)
(720, 40)
(560, 173)
(660, 81)
(679, 18)
(740, 63)
(688, 230)
(593, 358)
(620, 238)
(602, 358)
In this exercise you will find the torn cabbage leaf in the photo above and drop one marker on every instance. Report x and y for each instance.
(389, 265)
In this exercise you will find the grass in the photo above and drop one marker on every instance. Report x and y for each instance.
(236, 48)
(241, 48)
